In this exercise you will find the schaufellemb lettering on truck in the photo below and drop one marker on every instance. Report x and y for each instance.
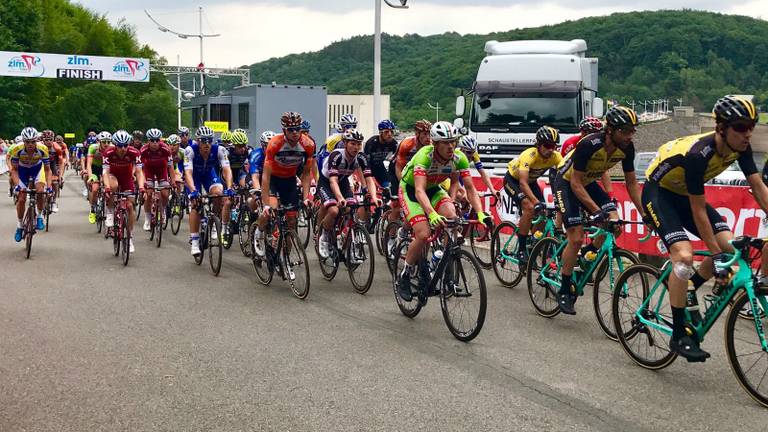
(522, 85)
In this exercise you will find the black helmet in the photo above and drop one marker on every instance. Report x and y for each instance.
(547, 134)
(619, 116)
(731, 108)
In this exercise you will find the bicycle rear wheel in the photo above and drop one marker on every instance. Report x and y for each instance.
(480, 243)
(295, 265)
(203, 243)
(463, 297)
(159, 227)
(543, 262)
(602, 297)
(389, 239)
(647, 346)
(407, 308)
(243, 239)
(360, 259)
(745, 353)
(214, 244)
(504, 240)
(29, 230)
(304, 227)
(378, 232)
(125, 239)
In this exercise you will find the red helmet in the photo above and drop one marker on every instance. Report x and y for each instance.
(422, 126)
(48, 135)
(591, 125)
(291, 119)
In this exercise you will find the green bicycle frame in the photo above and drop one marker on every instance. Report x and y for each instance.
(548, 231)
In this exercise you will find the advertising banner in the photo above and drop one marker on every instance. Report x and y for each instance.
(85, 67)
(218, 126)
(735, 203)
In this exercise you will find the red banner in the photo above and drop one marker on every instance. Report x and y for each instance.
(735, 203)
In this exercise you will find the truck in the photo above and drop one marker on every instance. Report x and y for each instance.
(523, 85)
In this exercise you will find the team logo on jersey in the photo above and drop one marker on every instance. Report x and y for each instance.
(26, 64)
(131, 68)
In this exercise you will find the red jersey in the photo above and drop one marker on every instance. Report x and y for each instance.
(569, 144)
(156, 163)
(121, 166)
(286, 159)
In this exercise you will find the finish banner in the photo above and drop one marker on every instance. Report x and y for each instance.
(735, 203)
(85, 67)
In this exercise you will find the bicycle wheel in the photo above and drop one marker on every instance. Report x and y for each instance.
(413, 307)
(378, 231)
(168, 211)
(745, 353)
(125, 240)
(647, 346)
(159, 228)
(99, 210)
(602, 297)
(29, 230)
(390, 243)
(329, 265)
(541, 263)
(295, 265)
(508, 272)
(243, 238)
(152, 223)
(139, 205)
(304, 227)
(214, 244)
(480, 243)
(360, 259)
(48, 211)
(463, 297)
(203, 243)
(177, 214)
(115, 242)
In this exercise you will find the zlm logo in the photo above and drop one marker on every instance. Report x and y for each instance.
(78, 61)
(26, 64)
(131, 68)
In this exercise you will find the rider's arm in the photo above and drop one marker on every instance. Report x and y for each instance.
(472, 196)
(606, 181)
(306, 179)
(577, 186)
(420, 185)
(525, 187)
(189, 169)
(695, 166)
(15, 172)
(633, 188)
(226, 170)
(139, 173)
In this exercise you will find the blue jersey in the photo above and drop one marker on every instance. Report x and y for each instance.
(256, 161)
(194, 161)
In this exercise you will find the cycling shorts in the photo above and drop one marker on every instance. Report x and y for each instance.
(238, 175)
(97, 170)
(205, 181)
(414, 213)
(512, 186)
(394, 184)
(37, 173)
(160, 183)
(285, 189)
(569, 205)
(326, 195)
(381, 175)
(672, 215)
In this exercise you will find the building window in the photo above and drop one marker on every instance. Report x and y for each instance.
(242, 115)
(221, 112)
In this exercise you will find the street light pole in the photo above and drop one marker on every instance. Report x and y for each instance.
(437, 110)
(377, 56)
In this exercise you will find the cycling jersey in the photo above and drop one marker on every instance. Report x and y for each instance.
(237, 160)
(205, 169)
(122, 167)
(569, 144)
(475, 159)
(534, 163)
(256, 161)
(425, 164)
(156, 163)
(338, 164)
(332, 143)
(377, 152)
(685, 164)
(22, 158)
(590, 157)
(96, 154)
(285, 159)
(406, 150)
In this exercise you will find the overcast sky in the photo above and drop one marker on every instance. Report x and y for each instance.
(255, 30)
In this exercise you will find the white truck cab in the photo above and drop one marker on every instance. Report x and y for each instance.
(523, 85)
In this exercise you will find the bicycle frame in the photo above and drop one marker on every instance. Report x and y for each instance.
(549, 231)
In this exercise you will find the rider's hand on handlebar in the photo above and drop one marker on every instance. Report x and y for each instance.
(194, 195)
(539, 207)
(599, 217)
(720, 258)
(436, 219)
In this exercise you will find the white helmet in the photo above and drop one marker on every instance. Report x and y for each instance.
(104, 136)
(121, 138)
(18, 139)
(30, 134)
(443, 131)
(154, 134)
(468, 144)
(352, 135)
(266, 136)
(172, 139)
(204, 132)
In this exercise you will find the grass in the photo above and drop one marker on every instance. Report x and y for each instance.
(763, 118)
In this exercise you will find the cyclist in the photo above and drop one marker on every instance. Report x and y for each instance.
(94, 165)
(576, 188)
(138, 139)
(587, 126)
(30, 161)
(468, 145)
(238, 158)
(226, 140)
(183, 133)
(404, 153)
(202, 162)
(57, 162)
(284, 154)
(157, 164)
(347, 121)
(256, 164)
(122, 162)
(60, 141)
(424, 201)
(380, 148)
(522, 177)
(334, 189)
(16, 141)
(674, 199)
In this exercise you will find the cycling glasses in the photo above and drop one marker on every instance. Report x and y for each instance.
(742, 127)
(154, 140)
(206, 140)
(120, 145)
(549, 145)
(349, 126)
(293, 129)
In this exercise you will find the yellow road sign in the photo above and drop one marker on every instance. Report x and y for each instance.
(69, 135)
(218, 126)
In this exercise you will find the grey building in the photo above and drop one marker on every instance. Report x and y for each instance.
(257, 107)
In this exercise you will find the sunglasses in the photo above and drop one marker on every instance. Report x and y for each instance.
(154, 140)
(549, 145)
(293, 129)
(628, 130)
(206, 140)
(121, 145)
(349, 126)
(743, 127)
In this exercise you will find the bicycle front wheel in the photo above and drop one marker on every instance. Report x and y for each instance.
(544, 263)
(159, 227)
(646, 345)
(243, 238)
(214, 244)
(463, 297)
(304, 227)
(295, 265)
(480, 243)
(748, 360)
(602, 298)
(503, 247)
(29, 231)
(407, 308)
(330, 264)
(360, 259)
(125, 239)
(389, 239)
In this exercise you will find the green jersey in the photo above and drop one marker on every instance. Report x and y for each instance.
(95, 152)
(425, 164)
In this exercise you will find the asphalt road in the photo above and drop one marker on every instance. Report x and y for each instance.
(89, 345)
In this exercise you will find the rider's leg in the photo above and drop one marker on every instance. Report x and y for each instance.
(40, 189)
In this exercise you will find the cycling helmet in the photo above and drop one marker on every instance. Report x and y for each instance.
(79, 145)
(154, 134)
(183, 130)
(172, 139)
(104, 136)
(58, 138)
(204, 132)
(619, 116)
(91, 134)
(122, 138)
(348, 121)
(91, 140)
(290, 119)
(226, 136)
(266, 136)
(239, 139)
(443, 131)
(30, 134)
(422, 126)
(731, 108)
(386, 124)
(306, 125)
(240, 130)
(547, 134)
(352, 135)
(138, 135)
(18, 140)
(590, 125)
(468, 144)
(48, 135)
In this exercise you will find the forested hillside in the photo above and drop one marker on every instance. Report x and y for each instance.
(57, 26)
(697, 56)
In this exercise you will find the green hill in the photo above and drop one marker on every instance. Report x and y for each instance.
(697, 56)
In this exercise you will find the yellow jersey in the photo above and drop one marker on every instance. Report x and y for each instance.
(590, 157)
(534, 163)
(19, 155)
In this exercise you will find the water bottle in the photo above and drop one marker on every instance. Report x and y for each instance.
(538, 235)
(437, 255)
(233, 214)
(692, 304)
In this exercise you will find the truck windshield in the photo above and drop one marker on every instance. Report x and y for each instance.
(525, 112)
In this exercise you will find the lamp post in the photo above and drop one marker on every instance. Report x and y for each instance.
(435, 107)
(200, 35)
(377, 56)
